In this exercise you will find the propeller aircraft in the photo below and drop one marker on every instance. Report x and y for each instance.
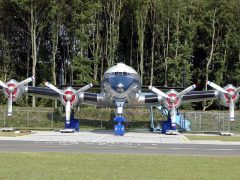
(120, 89)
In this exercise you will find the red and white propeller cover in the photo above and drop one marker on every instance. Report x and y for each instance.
(228, 97)
(69, 97)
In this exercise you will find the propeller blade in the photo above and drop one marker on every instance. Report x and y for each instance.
(231, 110)
(68, 112)
(187, 90)
(217, 87)
(237, 90)
(26, 81)
(173, 114)
(10, 105)
(3, 85)
(159, 92)
(84, 88)
(53, 88)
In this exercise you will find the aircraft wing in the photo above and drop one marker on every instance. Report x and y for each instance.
(82, 97)
(228, 97)
(196, 96)
(153, 99)
(42, 92)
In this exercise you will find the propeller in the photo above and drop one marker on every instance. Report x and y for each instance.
(10, 105)
(3, 85)
(173, 99)
(11, 90)
(54, 88)
(26, 81)
(217, 87)
(68, 96)
(231, 95)
(237, 90)
(159, 92)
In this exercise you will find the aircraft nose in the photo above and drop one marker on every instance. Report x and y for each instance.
(120, 88)
(120, 83)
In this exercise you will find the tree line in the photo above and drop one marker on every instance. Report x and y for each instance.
(163, 40)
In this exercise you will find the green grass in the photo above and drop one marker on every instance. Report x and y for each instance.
(217, 138)
(12, 134)
(25, 166)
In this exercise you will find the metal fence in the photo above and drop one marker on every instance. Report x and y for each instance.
(212, 121)
(27, 118)
(200, 121)
(44, 119)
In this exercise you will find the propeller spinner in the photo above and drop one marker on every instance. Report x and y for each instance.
(14, 90)
(228, 97)
(69, 97)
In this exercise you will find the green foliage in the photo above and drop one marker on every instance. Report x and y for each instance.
(93, 35)
(7, 68)
(82, 69)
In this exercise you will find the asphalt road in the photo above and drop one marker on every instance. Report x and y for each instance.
(120, 148)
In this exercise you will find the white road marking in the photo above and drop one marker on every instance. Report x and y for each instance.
(88, 143)
(48, 142)
(99, 138)
(183, 148)
(150, 147)
(221, 149)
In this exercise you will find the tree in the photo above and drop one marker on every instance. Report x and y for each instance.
(141, 11)
(112, 10)
(33, 13)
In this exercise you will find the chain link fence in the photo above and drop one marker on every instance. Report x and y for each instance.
(30, 118)
(200, 121)
(212, 121)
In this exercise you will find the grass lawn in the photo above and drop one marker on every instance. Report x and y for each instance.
(12, 134)
(103, 166)
(217, 138)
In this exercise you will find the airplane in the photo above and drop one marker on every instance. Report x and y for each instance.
(121, 88)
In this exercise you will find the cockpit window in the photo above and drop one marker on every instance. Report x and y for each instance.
(120, 81)
(120, 73)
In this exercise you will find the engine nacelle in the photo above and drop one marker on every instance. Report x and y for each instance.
(225, 99)
(17, 92)
(69, 94)
(167, 103)
(69, 97)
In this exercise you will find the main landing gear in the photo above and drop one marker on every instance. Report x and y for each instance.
(71, 126)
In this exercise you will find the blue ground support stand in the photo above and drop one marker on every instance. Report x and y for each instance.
(167, 125)
(152, 122)
(119, 129)
(74, 124)
(181, 121)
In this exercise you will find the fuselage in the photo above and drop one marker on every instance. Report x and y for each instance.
(121, 82)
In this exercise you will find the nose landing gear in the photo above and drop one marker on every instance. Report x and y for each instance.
(119, 129)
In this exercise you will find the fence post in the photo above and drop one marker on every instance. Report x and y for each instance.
(28, 118)
(223, 122)
(229, 125)
(4, 118)
(200, 122)
(195, 126)
(52, 121)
